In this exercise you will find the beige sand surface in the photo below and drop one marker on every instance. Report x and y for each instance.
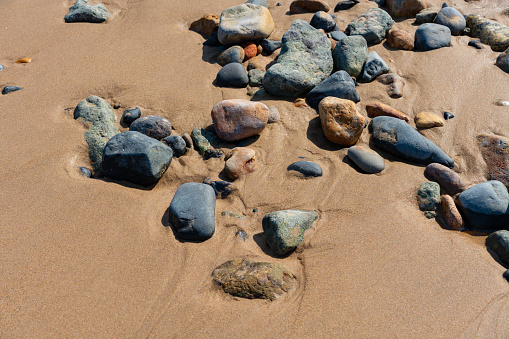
(93, 258)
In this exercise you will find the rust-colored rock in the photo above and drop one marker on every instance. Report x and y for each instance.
(400, 39)
(452, 216)
(240, 161)
(449, 180)
(250, 50)
(395, 82)
(206, 25)
(377, 109)
(24, 61)
(306, 6)
(405, 8)
(341, 122)
(495, 151)
(428, 120)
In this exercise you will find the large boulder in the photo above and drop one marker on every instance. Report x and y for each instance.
(405, 8)
(350, 54)
(489, 32)
(341, 122)
(373, 25)
(244, 23)
(81, 11)
(339, 85)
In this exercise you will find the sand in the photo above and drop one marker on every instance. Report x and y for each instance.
(95, 258)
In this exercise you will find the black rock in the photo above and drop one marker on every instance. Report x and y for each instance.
(278, 4)
(9, 89)
(213, 153)
(220, 187)
(255, 210)
(177, 144)
(448, 115)
(131, 114)
(475, 43)
(444, 5)
(232, 75)
(339, 85)
(345, 5)
(322, 20)
(85, 172)
(212, 40)
(153, 126)
(270, 46)
(506, 275)
(117, 105)
(306, 168)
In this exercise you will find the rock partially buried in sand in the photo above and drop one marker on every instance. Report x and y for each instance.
(405, 8)
(177, 144)
(428, 196)
(432, 36)
(243, 23)
(373, 25)
(274, 115)
(341, 122)
(503, 61)
(495, 151)
(452, 216)
(367, 160)
(449, 180)
(306, 168)
(202, 139)
(232, 75)
(305, 6)
(10, 89)
(24, 61)
(350, 54)
(81, 11)
(206, 25)
(373, 67)
(220, 187)
(152, 126)
(498, 242)
(338, 85)
(396, 85)
(377, 109)
(451, 18)
(428, 120)
(253, 280)
(400, 39)
(240, 161)
(489, 32)
(345, 5)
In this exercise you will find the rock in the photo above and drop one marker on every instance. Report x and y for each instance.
(85, 172)
(485, 206)
(284, 230)
(495, 151)
(253, 280)
(10, 89)
(232, 54)
(428, 120)
(177, 144)
(81, 11)
(345, 5)
(242, 235)
(117, 105)
(498, 242)
(452, 216)
(24, 61)
(367, 160)
(426, 16)
(428, 196)
(338, 85)
(503, 61)
(273, 115)
(373, 67)
(405, 8)
(489, 32)
(202, 139)
(451, 18)
(193, 212)
(243, 23)
(212, 41)
(322, 20)
(220, 187)
(259, 49)
(304, 6)
(377, 109)
(238, 119)
(305, 61)
(338, 35)
(258, 2)
(444, 5)
(475, 43)
(187, 138)
(153, 126)
(250, 50)
(341, 122)
(306, 168)
(255, 77)
(232, 75)
(401, 140)
(1, 67)
(130, 115)
(240, 161)
(400, 39)
(213, 153)
(96, 114)
(448, 115)
(350, 55)
(432, 36)
(395, 82)
(373, 25)
(449, 180)
(206, 25)
(270, 46)
(259, 62)
(136, 158)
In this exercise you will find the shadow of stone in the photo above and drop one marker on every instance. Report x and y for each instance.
(316, 136)
(259, 239)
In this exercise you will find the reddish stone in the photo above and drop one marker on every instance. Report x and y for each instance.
(400, 39)
(377, 109)
(250, 50)
(240, 161)
(495, 151)
(446, 178)
(452, 216)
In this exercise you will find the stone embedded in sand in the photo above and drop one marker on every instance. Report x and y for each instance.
(377, 109)
(373, 25)
(284, 230)
(395, 82)
(24, 61)
(451, 18)
(232, 54)
(428, 196)
(367, 160)
(203, 139)
(503, 61)
(489, 32)
(495, 151)
(452, 216)
(206, 25)
(432, 36)
(449, 180)
(81, 11)
(305, 6)
(306, 168)
(400, 39)
(428, 120)
(240, 161)
(323, 20)
(373, 67)
(153, 126)
(177, 144)
(338, 85)
(274, 115)
(405, 8)
(10, 89)
(350, 54)
(253, 280)
(341, 122)
(498, 242)
(220, 187)
(250, 50)
(232, 75)
(243, 23)
(425, 16)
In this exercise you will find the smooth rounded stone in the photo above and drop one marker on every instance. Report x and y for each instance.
(451, 18)
(428, 120)
(432, 36)
(503, 61)
(306, 168)
(153, 126)
(240, 161)
(400, 39)
(485, 206)
(340, 120)
(244, 23)
(367, 160)
(213, 153)
(498, 242)
(177, 144)
(475, 43)
(425, 16)
(1, 67)
(489, 32)
(85, 172)
(373, 25)
(188, 140)
(232, 75)
(350, 54)
(378, 109)
(323, 20)
(253, 280)
(338, 35)
(449, 180)
(270, 46)
(284, 230)
(193, 212)
(206, 25)
(373, 67)
(448, 115)
(345, 5)
(395, 82)
(255, 77)
(250, 50)
(495, 151)
(202, 139)
(338, 85)
(428, 196)
(398, 138)
(452, 216)
(81, 11)
(506, 275)
(10, 89)
(274, 115)
(405, 8)
(232, 54)
(212, 41)
(135, 157)
(238, 119)
(220, 187)
(305, 6)
(130, 115)
(305, 61)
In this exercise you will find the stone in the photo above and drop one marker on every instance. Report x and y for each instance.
(405, 8)
(1, 67)
(232, 75)
(130, 115)
(338, 85)
(238, 119)
(232, 54)
(220, 187)
(258, 2)
(350, 55)
(503, 61)
(193, 212)
(449, 180)
(10, 89)
(452, 216)
(306, 168)
(213, 153)
(253, 280)
(270, 46)
(489, 32)
(259, 62)
(250, 50)
(451, 18)
(135, 157)
(206, 25)
(345, 5)
(244, 23)
(485, 206)
(428, 196)
(284, 230)
(367, 160)
(448, 115)
(377, 109)
(426, 16)
(338, 35)
(212, 41)
(373, 25)
(475, 43)
(341, 122)
(398, 138)
(373, 67)
(305, 61)
(495, 151)
(428, 120)
(498, 242)
(153, 126)
(240, 161)
(24, 61)
(259, 49)
(255, 77)
(85, 172)
(400, 39)
(187, 138)
(273, 115)
(177, 144)
(81, 11)
(202, 138)
(395, 82)
(432, 36)
(323, 20)
(242, 235)
(305, 6)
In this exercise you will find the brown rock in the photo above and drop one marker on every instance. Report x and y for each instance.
(206, 25)
(187, 138)
(449, 180)
(452, 216)
(341, 122)
(250, 50)
(405, 8)
(237, 119)
(495, 151)
(305, 6)
(240, 161)
(259, 49)
(428, 120)
(400, 39)
(332, 44)
(258, 62)
(395, 82)
(377, 109)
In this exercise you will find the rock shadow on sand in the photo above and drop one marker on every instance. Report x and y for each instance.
(259, 239)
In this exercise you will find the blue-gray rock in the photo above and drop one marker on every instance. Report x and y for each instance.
(503, 61)
(425, 16)
(153, 126)
(220, 187)
(451, 18)
(85, 172)
(448, 115)
(338, 35)
(350, 54)
(367, 160)
(373, 25)
(485, 206)
(244, 22)
(177, 144)
(475, 43)
(136, 158)
(255, 77)
(258, 2)
(432, 36)
(130, 115)
(1, 67)
(232, 75)
(193, 212)
(269, 46)
(506, 275)
(428, 196)
(10, 89)
(232, 54)
(242, 235)
(345, 5)
(305, 61)
(322, 20)
(398, 138)
(306, 168)
(81, 11)
(498, 242)
(339, 85)
(444, 5)
(212, 40)
(373, 67)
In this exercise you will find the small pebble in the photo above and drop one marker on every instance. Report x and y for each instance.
(1, 67)
(448, 115)
(506, 275)
(131, 114)
(444, 5)
(117, 105)
(177, 144)
(9, 89)
(273, 115)
(306, 168)
(475, 43)
(213, 153)
(278, 4)
(501, 102)
(220, 187)
(85, 172)
(23, 61)
(255, 210)
(242, 235)
(430, 214)
(187, 138)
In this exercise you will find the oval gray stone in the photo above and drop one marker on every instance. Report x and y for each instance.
(367, 160)
(339, 85)
(306, 168)
(451, 18)
(432, 36)
(350, 54)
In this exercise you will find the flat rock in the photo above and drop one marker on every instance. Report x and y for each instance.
(503, 61)
(367, 160)
(130, 115)
(232, 54)
(338, 85)
(153, 126)
(489, 32)
(240, 161)
(345, 5)
(395, 82)
(377, 109)
(451, 18)
(425, 16)
(177, 144)
(449, 180)
(206, 25)
(81, 11)
(338, 35)
(373, 67)
(452, 216)
(405, 8)
(305, 6)
(350, 54)
(340, 120)
(498, 242)
(323, 20)
(428, 196)
(495, 151)
(432, 36)
(244, 23)
(232, 75)
(397, 38)
(428, 120)
(306, 168)
(373, 25)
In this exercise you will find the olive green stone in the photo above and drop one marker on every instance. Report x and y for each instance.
(428, 196)
(203, 139)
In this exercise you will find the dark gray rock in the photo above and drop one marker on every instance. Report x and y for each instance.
(269, 46)
(130, 115)
(338, 35)
(373, 67)
(153, 126)
(10, 89)
(339, 85)
(81, 11)
(242, 235)
(367, 160)
(220, 187)
(451, 18)
(213, 153)
(432, 36)
(448, 115)
(322, 20)
(193, 212)
(425, 16)
(177, 144)
(232, 75)
(306, 168)
(498, 242)
(503, 61)
(345, 5)
(373, 25)
(380, 3)
(475, 43)
(350, 54)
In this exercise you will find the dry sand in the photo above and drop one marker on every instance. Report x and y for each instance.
(95, 258)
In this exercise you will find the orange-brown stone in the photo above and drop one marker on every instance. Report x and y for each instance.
(400, 39)
(240, 161)
(341, 122)
(378, 109)
(452, 216)
(250, 50)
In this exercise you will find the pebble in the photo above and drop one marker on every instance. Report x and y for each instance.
(85, 172)
(350, 55)
(1, 67)
(395, 82)
(232, 75)
(338, 85)
(338, 35)
(503, 61)
(240, 161)
(428, 196)
(428, 120)
(244, 23)
(425, 16)
(117, 105)
(10, 89)
(81, 11)
(206, 25)
(345, 5)
(250, 50)
(405, 8)
(270, 46)
(273, 115)
(213, 153)
(400, 39)
(448, 115)
(495, 151)
(432, 36)
(449, 180)
(367, 160)
(130, 115)
(323, 20)
(452, 216)
(306, 168)
(232, 54)
(242, 235)
(506, 275)
(377, 109)
(220, 187)
(259, 62)
(373, 25)
(177, 144)
(24, 61)
(498, 242)
(373, 67)
(451, 18)
(255, 77)
(202, 139)
(305, 6)
(340, 120)
(153, 126)
(489, 32)
(475, 43)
